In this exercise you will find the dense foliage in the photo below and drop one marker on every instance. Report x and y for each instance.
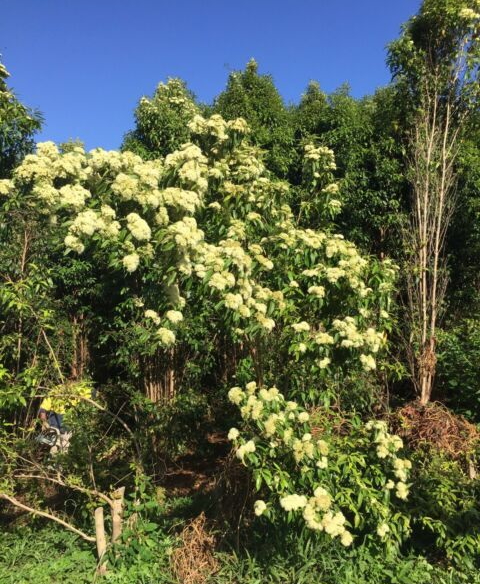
(218, 313)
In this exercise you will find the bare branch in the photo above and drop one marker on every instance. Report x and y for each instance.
(68, 526)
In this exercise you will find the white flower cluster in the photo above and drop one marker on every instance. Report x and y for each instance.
(153, 210)
(469, 14)
(280, 430)
(320, 153)
(138, 227)
(387, 446)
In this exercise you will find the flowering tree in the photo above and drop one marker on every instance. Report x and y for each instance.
(18, 126)
(208, 223)
(161, 121)
(321, 480)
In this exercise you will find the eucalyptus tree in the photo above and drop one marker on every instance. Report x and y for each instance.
(435, 64)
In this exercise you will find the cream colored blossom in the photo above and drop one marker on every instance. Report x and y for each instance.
(174, 316)
(322, 463)
(346, 539)
(73, 196)
(401, 490)
(301, 327)
(323, 447)
(166, 336)
(259, 507)
(323, 363)
(131, 262)
(382, 530)
(368, 362)
(293, 502)
(233, 434)
(236, 395)
(318, 291)
(74, 244)
(138, 227)
(152, 315)
(244, 449)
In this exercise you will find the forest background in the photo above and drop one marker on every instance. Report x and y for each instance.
(263, 320)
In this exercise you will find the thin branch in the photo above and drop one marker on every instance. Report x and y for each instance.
(68, 526)
(62, 483)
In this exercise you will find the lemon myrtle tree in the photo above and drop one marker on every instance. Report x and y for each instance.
(208, 225)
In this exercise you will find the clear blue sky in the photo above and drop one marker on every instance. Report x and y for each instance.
(86, 63)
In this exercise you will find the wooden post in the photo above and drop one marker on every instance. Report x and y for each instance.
(117, 513)
(101, 539)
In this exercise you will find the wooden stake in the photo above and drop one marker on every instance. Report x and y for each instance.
(101, 539)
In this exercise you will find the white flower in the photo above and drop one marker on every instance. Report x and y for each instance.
(323, 500)
(346, 538)
(322, 463)
(303, 417)
(322, 447)
(246, 448)
(174, 316)
(293, 502)
(323, 363)
(167, 337)
(151, 314)
(301, 326)
(131, 261)
(323, 339)
(382, 451)
(318, 291)
(73, 196)
(236, 395)
(401, 490)
(74, 243)
(233, 434)
(368, 362)
(259, 507)
(233, 301)
(138, 227)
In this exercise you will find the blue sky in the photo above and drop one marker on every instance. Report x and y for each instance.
(86, 63)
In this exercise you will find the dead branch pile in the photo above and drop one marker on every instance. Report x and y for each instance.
(434, 425)
(194, 561)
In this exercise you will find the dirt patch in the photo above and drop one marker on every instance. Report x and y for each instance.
(191, 473)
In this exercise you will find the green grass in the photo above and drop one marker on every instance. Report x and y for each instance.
(47, 555)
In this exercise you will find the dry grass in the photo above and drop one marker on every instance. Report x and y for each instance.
(194, 561)
(436, 426)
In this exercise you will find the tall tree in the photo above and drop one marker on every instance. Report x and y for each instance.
(364, 134)
(18, 125)
(161, 121)
(255, 98)
(436, 66)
